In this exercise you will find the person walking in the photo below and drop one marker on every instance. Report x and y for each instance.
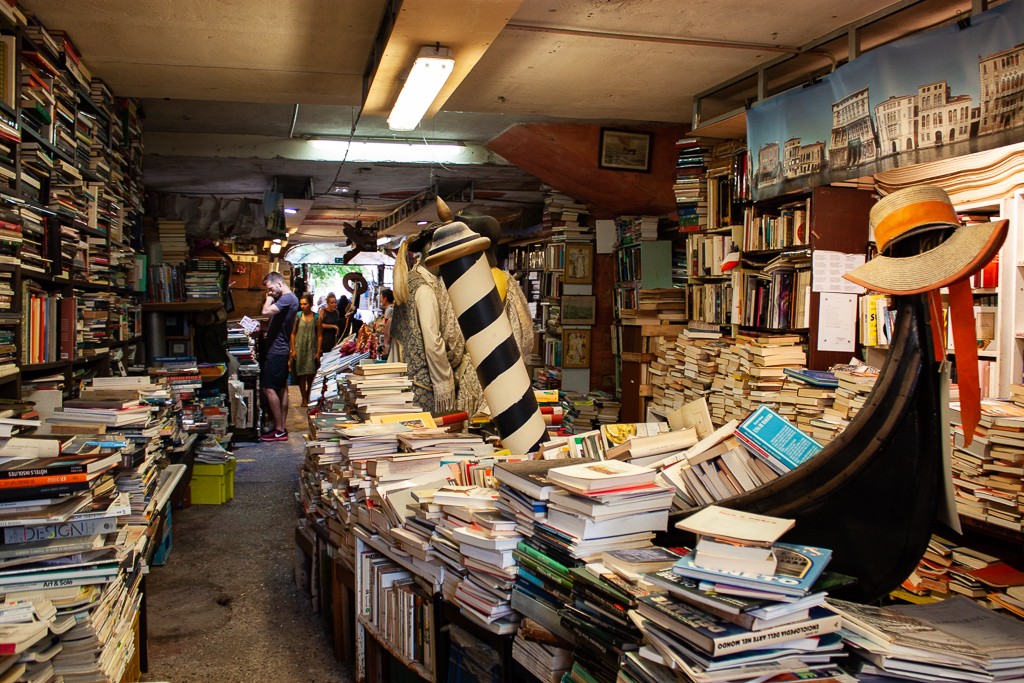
(387, 302)
(281, 305)
(328, 326)
(305, 351)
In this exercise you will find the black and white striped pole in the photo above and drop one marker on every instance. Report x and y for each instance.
(459, 254)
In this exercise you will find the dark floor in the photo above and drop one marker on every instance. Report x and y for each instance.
(225, 607)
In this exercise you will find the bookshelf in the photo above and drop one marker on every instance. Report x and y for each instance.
(70, 217)
(569, 259)
(773, 290)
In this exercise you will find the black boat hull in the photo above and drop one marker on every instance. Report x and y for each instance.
(871, 494)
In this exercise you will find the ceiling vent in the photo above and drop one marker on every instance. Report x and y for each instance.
(294, 186)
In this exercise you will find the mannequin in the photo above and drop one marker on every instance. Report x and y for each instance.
(424, 331)
(470, 396)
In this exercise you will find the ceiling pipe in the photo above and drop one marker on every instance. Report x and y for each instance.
(671, 40)
(295, 119)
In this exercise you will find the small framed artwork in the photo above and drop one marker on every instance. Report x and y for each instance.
(624, 150)
(575, 348)
(579, 264)
(178, 347)
(578, 310)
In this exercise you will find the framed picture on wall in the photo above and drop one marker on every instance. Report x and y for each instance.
(575, 348)
(579, 264)
(578, 310)
(624, 150)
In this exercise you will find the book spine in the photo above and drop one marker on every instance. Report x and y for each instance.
(759, 639)
(47, 491)
(42, 472)
(44, 480)
(47, 532)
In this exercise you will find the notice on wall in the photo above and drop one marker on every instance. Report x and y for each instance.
(828, 268)
(837, 322)
(605, 234)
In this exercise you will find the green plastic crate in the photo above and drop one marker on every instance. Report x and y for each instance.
(213, 484)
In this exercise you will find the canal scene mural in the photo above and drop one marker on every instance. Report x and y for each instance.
(946, 92)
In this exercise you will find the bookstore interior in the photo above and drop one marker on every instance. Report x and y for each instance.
(734, 398)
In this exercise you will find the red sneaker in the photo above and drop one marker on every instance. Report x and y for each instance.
(275, 436)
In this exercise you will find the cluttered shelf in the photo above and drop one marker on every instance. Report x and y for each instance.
(189, 306)
(993, 531)
(411, 664)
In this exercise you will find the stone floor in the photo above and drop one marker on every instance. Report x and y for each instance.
(225, 607)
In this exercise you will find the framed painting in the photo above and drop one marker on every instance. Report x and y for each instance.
(578, 310)
(579, 264)
(575, 348)
(624, 150)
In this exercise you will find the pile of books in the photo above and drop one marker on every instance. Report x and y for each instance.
(950, 640)
(82, 416)
(690, 187)
(375, 389)
(657, 306)
(585, 412)
(70, 564)
(717, 468)
(948, 569)
(173, 244)
(603, 506)
(854, 385)
(719, 620)
(988, 473)
(205, 278)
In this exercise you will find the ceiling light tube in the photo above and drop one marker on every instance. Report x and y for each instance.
(429, 72)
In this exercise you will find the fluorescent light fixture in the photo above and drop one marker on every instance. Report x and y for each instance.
(422, 222)
(399, 151)
(429, 72)
(290, 210)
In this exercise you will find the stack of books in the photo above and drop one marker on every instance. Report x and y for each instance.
(739, 624)
(852, 391)
(656, 307)
(604, 506)
(544, 656)
(717, 468)
(988, 474)
(173, 243)
(375, 389)
(83, 416)
(205, 278)
(949, 640)
(690, 186)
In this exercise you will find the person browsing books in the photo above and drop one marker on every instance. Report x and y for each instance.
(281, 305)
(329, 325)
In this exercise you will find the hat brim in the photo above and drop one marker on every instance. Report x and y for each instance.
(966, 251)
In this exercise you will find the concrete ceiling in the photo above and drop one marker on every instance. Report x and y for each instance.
(231, 89)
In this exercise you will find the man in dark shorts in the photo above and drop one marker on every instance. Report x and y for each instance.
(281, 305)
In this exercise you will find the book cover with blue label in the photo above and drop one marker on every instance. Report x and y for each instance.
(799, 566)
(778, 437)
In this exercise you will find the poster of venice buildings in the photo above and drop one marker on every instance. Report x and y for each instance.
(903, 124)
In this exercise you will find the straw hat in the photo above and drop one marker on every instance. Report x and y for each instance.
(915, 211)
